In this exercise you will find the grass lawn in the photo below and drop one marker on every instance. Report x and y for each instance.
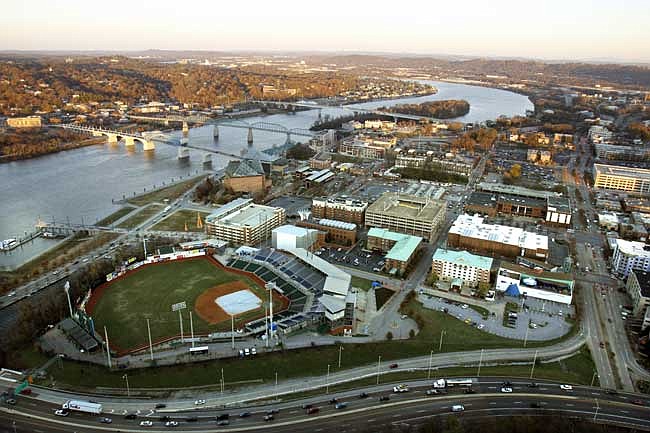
(176, 221)
(382, 295)
(141, 216)
(150, 291)
(480, 310)
(115, 216)
(311, 361)
(361, 283)
(171, 192)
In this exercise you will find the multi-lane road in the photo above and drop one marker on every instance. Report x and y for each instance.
(413, 408)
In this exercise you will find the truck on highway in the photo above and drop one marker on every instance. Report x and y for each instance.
(167, 209)
(445, 383)
(82, 406)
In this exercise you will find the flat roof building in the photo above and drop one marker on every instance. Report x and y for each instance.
(638, 287)
(630, 255)
(472, 233)
(339, 208)
(515, 280)
(408, 214)
(244, 223)
(469, 268)
(634, 180)
(400, 249)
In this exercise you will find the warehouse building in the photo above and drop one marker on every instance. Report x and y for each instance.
(244, 223)
(408, 214)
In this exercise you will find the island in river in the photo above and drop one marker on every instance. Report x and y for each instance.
(446, 109)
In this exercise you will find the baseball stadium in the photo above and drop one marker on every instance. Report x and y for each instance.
(212, 293)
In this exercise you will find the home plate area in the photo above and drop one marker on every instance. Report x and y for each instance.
(238, 302)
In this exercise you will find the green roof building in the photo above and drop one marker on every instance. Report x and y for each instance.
(400, 249)
(470, 268)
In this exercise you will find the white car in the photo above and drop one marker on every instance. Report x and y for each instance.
(146, 423)
(171, 424)
(61, 412)
(401, 388)
(566, 387)
(253, 351)
(506, 389)
(464, 306)
(199, 402)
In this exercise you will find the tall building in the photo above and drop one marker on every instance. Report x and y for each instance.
(469, 268)
(635, 180)
(638, 287)
(244, 223)
(341, 208)
(408, 214)
(471, 233)
(630, 255)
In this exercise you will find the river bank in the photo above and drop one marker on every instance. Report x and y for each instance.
(67, 146)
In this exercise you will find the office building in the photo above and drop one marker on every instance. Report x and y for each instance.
(340, 208)
(469, 232)
(408, 214)
(468, 268)
(400, 249)
(24, 122)
(244, 223)
(514, 280)
(633, 180)
(638, 287)
(629, 256)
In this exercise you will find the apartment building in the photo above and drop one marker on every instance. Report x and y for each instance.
(629, 256)
(408, 214)
(638, 287)
(341, 208)
(244, 223)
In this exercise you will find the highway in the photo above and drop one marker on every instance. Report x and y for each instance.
(413, 408)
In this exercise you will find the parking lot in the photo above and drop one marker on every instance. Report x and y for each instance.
(291, 204)
(356, 257)
(542, 321)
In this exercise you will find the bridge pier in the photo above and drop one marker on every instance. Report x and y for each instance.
(184, 141)
(250, 135)
(129, 141)
(288, 138)
(215, 132)
(183, 153)
(112, 138)
(207, 158)
(149, 145)
(186, 129)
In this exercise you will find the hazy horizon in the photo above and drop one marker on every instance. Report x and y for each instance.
(554, 31)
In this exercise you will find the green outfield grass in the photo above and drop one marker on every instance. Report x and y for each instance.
(150, 291)
(176, 221)
(140, 216)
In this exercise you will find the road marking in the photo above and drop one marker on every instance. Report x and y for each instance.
(397, 415)
(372, 420)
(293, 411)
(493, 402)
(421, 411)
(570, 404)
(595, 393)
(516, 402)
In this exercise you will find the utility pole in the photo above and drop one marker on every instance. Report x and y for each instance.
(222, 381)
(144, 246)
(192, 329)
(108, 349)
(150, 345)
(378, 364)
(596, 412)
(526, 336)
(442, 333)
(66, 288)
(532, 368)
(480, 361)
(266, 326)
(232, 331)
(593, 378)
(340, 350)
(430, 361)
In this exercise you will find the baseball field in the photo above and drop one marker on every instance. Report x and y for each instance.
(212, 293)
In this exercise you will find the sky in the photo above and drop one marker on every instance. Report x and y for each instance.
(548, 29)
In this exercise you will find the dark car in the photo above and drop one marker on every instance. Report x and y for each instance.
(333, 401)
(533, 385)
(223, 422)
(393, 366)
(307, 406)
(130, 416)
(165, 418)
(272, 411)
(469, 390)
(105, 420)
(363, 395)
(268, 418)
(244, 414)
(384, 398)
(161, 406)
(222, 416)
(611, 391)
(11, 401)
(536, 405)
(638, 402)
(192, 419)
(313, 410)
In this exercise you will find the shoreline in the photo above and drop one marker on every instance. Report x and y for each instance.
(69, 146)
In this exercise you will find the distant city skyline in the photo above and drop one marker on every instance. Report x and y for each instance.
(553, 30)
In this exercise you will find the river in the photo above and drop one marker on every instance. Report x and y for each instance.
(78, 185)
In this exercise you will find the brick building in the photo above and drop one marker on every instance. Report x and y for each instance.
(334, 232)
(401, 249)
(340, 209)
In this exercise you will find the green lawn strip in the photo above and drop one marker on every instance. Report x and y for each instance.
(141, 216)
(295, 363)
(171, 192)
(110, 219)
(177, 220)
(150, 291)
(480, 310)
(382, 295)
(361, 283)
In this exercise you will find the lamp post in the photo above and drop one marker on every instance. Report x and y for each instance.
(480, 361)
(150, 345)
(532, 368)
(327, 385)
(430, 361)
(442, 333)
(378, 364)
(340, 350)
(128, 390)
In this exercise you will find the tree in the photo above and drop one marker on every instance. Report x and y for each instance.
(515, 171)
(483, 288)
(432, 279)
(389, 336)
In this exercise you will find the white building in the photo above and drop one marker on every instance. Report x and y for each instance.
(469, 268)
(288, 237)
(515, 280)
(638, 287)
(244, 223)
(630, 255)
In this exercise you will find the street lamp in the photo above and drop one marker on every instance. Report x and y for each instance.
(128, 390)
